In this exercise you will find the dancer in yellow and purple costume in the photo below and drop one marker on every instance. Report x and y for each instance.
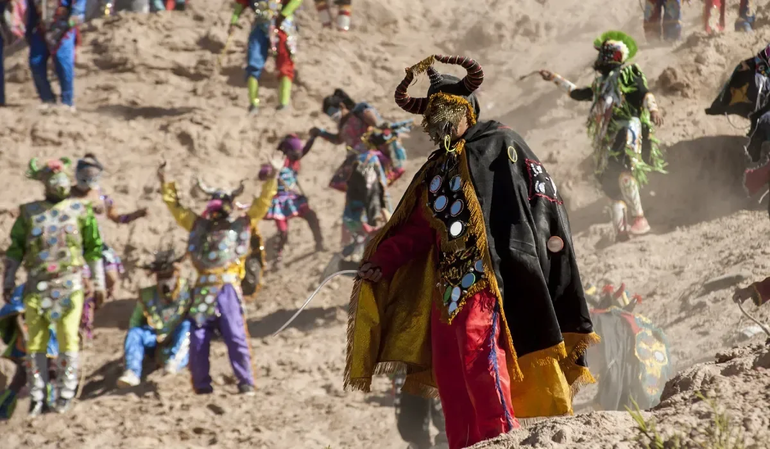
(218, 247)
(54, 239)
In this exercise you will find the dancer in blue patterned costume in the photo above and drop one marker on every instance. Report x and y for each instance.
(12, 335)
(290, 201)
(158, 326)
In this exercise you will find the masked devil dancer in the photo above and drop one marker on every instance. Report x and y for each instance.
(218, 247)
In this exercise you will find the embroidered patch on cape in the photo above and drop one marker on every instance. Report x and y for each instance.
(540, 182)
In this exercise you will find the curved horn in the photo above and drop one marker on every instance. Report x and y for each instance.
(435, 77)
(405, 101)
(475, 75)
(237, 191)
(204, 188)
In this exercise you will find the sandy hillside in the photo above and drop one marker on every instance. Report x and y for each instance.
(148, 89)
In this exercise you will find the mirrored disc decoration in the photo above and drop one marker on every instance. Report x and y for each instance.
(468, 280)
(36, 232)
(435, 184)
(456, 229)
(212, 255)
(479, 266)
(440, 203)
(456, 208)
(456, 183)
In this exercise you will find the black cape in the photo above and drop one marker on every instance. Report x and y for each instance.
(739, 94)
(542, 293)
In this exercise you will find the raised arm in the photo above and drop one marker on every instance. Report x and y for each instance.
(184, 216)
(579, 94)
(325, 135)
(261, 204)
(115, 217)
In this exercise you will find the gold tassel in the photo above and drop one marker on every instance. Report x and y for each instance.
(421, 66)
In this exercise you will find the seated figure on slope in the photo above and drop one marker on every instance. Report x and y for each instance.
(159, 325)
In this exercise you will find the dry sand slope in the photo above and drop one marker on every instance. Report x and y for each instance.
(147, 90)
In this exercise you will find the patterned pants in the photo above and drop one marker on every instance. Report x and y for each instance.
(663, 18)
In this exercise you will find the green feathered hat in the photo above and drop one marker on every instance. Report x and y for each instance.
(617, 41)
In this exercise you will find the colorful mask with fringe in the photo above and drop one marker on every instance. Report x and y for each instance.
(615, 48)
(449, 99)
(54, 175)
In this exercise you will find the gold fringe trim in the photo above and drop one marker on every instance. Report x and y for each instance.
(579, 375)
(584, 378)
(421, 66)
(544, 357)
(455, 100)
(579, 344)
(402, 213)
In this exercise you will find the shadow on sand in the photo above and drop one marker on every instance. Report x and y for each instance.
(309, 319)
